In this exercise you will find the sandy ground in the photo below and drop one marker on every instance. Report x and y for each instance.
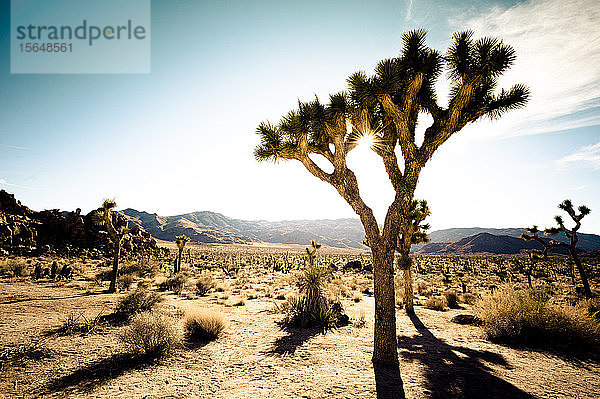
(257, 359)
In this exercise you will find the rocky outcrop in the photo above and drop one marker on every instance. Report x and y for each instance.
(23, 231)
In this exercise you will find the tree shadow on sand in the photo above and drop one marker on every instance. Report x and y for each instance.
(295, 337)
(455, 371)
(97, 373)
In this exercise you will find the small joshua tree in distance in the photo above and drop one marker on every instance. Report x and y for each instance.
(105, 217)
(180, 241)
(532, 233)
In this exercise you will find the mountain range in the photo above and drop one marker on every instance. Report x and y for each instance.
(211, 227)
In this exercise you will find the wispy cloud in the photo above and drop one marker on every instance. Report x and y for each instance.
(409, 5)
(588, 155)
(3, 182)
(558, 57)
(15, 147)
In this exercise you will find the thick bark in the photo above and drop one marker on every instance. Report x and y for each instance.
(178, 263)
(586, 285)
(385, 347)
(408, 291)
(115, 272)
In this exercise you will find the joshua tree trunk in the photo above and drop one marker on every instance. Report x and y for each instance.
(385, 349)
(115, 272)
(406, 265)
(586, 285)
(178, 262)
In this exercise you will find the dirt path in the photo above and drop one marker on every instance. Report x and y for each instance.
(256, 359)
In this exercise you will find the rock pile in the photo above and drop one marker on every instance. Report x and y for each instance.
(26, 232)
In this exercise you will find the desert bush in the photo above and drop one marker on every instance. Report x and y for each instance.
(126, 281)
(104, 275)
(298, 313)
(204, 285)
(203, 325)
(436, 303)
(423, 288)
(151, 334)
(176, 283)
(33, 350)
(451, 299)
(526, 317)
(140, 300)
(592, 306)
(468, 298)
(79, 324)
(15, 268)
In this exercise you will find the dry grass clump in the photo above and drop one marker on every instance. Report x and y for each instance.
(451, 299)
(176, 283)
(151, 334)
(203, 325)
(204, 285)
(526, 317)
(468, 298)
(33, 350)
(140, 300)
(436, 303)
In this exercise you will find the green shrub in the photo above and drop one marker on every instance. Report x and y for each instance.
(140, 300)
(451, 299)
(203, 325)
(526, 317)
(436, 303)
(204, 285)
(176, 283)
(151, 334)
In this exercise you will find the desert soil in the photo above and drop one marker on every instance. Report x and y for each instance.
(257, 359)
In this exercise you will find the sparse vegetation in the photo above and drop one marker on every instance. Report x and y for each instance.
(151, 334)
(176, 283)
(438, 302)
(204, 284)
(527, 317)
(140, 300)
(203, 325)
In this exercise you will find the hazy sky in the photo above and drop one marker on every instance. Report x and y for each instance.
(180, 139)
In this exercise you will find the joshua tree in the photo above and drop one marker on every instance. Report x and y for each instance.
(311, 280)
(105, 217)
(412, 232)
(180, 241)
(571, 234)
(382, 111)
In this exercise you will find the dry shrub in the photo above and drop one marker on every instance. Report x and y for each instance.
(140, 300)
(423, 288)
(151, 334)
(526, 317)
(33, 350)
(176, 283)
(125, 281)
(436, 303)
(204, 285)
(203, 325)
(468, 298)
(451, 299)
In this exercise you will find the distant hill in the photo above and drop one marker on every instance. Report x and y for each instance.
(212, 227)
(587, 242)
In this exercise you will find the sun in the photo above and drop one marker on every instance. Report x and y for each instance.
(366, 141)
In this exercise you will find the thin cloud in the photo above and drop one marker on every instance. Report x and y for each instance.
(3, 182)
(558, 56)
(15, 147)
(589, 156)
(409, 10)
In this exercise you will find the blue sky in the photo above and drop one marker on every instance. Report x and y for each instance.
(181, 138)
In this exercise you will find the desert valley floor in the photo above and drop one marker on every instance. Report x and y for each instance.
(256, 358)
